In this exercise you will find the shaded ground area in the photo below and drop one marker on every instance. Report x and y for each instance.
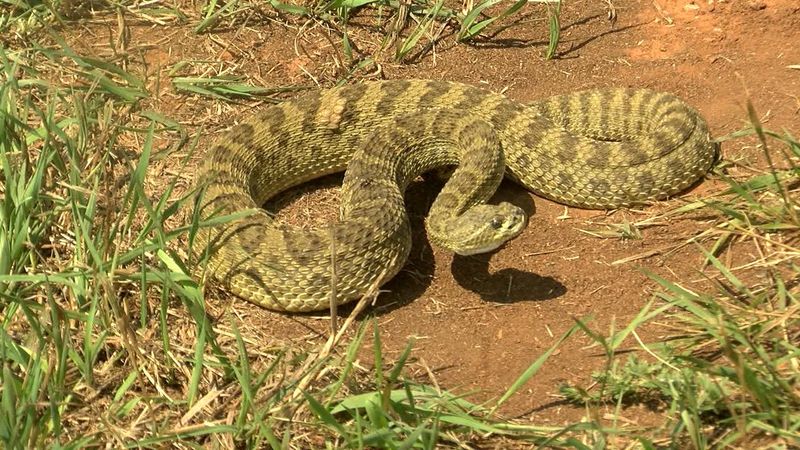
(480, 321)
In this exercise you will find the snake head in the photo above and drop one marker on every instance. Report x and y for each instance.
(481, 229)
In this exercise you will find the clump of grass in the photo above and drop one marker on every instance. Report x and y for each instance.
(226, 87)
(404, 24)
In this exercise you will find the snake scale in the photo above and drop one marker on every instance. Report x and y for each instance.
(592, 149)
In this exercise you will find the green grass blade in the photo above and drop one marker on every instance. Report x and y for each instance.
(533, 368)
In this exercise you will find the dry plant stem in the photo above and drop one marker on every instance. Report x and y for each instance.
(328, 347)
(398, 25)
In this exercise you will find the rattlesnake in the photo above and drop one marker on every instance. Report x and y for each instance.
(591, 149)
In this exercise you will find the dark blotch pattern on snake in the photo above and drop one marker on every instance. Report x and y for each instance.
(593, 149)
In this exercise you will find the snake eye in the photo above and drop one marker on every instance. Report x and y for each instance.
(496, 222)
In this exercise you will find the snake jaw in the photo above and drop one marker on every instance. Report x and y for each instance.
(506, 224)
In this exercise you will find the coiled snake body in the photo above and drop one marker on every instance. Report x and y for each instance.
(592, 149)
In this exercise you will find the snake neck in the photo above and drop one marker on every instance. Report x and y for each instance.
(394, 156)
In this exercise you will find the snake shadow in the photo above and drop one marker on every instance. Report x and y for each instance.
(470, 272)
(507, 285)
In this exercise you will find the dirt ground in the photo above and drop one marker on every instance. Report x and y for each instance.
(480, 321)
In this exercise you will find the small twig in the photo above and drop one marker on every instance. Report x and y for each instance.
(328, 347)
(547, 252)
